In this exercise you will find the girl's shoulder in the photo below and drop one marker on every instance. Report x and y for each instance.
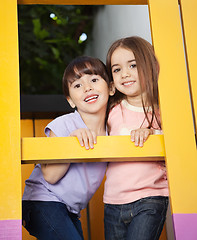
(62, 126)
(67, 119)
(116, 109)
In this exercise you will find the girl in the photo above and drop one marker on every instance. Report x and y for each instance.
(55, 193)
(136, 193)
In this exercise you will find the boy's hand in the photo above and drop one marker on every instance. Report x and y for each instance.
(85, 136)
(139, 136)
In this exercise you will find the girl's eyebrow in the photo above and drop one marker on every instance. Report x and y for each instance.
(71, 83)
(133, 60)
(129, 61)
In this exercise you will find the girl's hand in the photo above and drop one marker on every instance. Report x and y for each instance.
(139, 136)
(85, 136)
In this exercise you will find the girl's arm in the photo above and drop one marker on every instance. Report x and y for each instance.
(53, 172)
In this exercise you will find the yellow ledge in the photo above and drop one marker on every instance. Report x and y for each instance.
(107, 149)
(84, 2)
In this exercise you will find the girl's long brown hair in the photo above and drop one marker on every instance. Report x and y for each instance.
(148, 72)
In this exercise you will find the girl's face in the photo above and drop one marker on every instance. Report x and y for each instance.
(89, 94)
(125, 75)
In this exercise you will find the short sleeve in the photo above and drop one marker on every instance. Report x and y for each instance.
(58, 126)
(64, 125)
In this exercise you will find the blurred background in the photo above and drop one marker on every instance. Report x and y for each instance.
(50, 36)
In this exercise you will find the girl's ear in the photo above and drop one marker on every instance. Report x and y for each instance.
(112, 89)
(70, 102)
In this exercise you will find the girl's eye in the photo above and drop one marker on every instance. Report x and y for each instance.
(133, 65)
(77, 85)
(116, 70)
(94, 79)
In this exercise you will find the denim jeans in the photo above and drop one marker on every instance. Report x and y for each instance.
(50, 221)
(140, 220)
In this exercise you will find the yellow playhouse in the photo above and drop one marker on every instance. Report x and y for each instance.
(174, 35)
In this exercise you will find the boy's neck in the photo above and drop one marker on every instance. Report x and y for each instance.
(95, 122)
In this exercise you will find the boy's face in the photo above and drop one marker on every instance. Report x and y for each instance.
(89, 94)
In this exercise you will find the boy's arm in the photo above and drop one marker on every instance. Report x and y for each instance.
(53, 172)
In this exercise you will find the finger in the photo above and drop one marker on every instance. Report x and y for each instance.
(137, 138)
(90, 139)
(146, 135)
(141, 139)
(80, 138)
(85, 139)
(94, 137)
(133, 136)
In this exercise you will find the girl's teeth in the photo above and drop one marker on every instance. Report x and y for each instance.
(91, 98)
(127, 83)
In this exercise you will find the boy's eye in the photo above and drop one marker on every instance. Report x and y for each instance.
(77, 85)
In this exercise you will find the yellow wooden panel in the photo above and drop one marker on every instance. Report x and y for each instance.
(189, 10)
(26, 128)
(83, 220)
(84, 2)
(26, 170)
(179, 138)
(163, 234)
(107, 149)
(40, 124)
(96, 207)
(10, 169)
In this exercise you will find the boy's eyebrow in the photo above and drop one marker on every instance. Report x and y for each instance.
(116, 64)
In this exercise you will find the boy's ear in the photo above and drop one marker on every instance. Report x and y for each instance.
(112, 89)
(70, 102)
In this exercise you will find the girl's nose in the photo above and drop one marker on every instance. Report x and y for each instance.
(125, 72)
(87, 87)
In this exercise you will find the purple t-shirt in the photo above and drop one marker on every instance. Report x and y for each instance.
(80, 182)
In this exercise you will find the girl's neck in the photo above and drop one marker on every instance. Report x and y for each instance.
(95, 122)
(137, 100)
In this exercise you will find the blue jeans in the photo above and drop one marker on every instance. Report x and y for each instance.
(50, 221)
(140, 220)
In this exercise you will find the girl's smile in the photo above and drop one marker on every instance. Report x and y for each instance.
(125, 75)
(89, 94)
(91, 98)
(128, 83)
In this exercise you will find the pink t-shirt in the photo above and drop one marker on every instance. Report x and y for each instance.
(130, 181)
